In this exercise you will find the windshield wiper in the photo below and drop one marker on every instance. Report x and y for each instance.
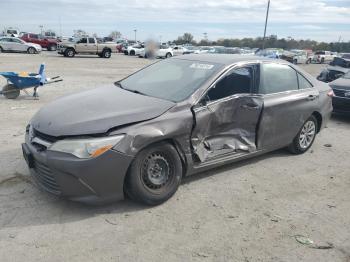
(130, 90)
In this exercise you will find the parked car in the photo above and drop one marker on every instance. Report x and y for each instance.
(14, 44)
(162, 51)
(300, 57)
(336, 69)
(86, 46)
(323, 56)
(49, 43)
(341, 89)
(134, 50)
(180, 50)
(11, 32)
(172, 119)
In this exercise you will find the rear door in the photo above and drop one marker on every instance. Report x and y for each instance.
(226, 117)
(18, 45)
(92, 45)
(289, 99)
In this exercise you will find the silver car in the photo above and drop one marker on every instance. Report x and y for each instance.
(14, 44)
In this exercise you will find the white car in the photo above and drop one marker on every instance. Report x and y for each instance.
(14, 44)
(323, 56)
(162, 52)
(179, 50)
(134, 50)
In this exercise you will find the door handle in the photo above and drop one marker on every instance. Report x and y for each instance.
(311, 97)
(250, 106)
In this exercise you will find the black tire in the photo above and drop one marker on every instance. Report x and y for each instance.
(31, 50)
(308, 61)
(69, 52)
(126, 53)
(295, 147)
(168, 55)
(322, 60)
(10, 91)
(295, 62)
(52, 48)
(132, 52)
(154, 175)
(1, 50)
(106, 53)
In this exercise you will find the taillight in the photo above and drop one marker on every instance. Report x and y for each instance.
(330, 93)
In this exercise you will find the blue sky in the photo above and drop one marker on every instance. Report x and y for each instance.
(322, 20)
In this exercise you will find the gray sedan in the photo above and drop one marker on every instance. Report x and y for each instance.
(14, 44)
(172, 119)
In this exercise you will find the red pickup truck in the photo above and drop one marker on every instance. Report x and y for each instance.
(49, 44)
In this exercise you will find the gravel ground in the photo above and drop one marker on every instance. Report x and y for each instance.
(250, 211)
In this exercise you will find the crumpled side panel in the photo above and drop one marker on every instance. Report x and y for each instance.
(226, 126)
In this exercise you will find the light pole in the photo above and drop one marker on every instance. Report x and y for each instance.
(267, 17)
(135, 30)
(41, 29)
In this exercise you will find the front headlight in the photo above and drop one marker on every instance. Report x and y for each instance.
(86, 148)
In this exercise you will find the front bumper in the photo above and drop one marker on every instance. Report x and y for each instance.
(94, 181)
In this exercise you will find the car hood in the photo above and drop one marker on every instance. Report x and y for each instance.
(341, 83)
(96, 111)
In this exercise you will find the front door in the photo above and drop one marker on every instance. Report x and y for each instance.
(82, 46)
(226, 118)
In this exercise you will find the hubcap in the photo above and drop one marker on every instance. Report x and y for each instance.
(156, 171)
(307, 134)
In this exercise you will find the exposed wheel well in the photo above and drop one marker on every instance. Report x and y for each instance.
(107, 49)
(318, 116)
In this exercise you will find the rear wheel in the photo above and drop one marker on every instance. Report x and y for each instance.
(306, 136)
(106, 53)
(31, 50)
(132, 52)
(10, 91)
(168, 55)
(69, 53)
(295, 62)
(154, 175)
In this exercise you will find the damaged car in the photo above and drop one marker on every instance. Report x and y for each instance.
(341, 89)
(174, 118)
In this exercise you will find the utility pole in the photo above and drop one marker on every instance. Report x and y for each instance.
(267, 17)
(41, 29)
(205, 36)
(135, 30)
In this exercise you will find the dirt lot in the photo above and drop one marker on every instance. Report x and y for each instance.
(250, 211)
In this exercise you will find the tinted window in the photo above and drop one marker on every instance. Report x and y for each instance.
(303, 83)
(91, 40)
(320, 53)
(82, 41)
(277, 78)
(238, 81)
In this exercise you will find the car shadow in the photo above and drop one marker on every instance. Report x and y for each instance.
(343, 117)
(23, 204)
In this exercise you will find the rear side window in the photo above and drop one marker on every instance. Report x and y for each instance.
(277, 78)
(92, 40)
(303, 82)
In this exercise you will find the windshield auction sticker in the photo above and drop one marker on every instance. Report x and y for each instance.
(201, 66)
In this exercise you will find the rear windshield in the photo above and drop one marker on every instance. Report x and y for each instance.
(171, 79)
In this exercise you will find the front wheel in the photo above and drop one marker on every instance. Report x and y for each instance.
(106, 54)
(69, 53)
(306, 136)
(155, 174)
(295, 62)
(168, 55)
(31, 50)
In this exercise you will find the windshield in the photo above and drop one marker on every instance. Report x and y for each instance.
(172, 79)
(12, 32)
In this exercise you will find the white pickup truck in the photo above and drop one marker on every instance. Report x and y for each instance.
(323, 56)
(86, 46)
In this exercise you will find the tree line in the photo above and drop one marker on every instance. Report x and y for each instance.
(270, 42)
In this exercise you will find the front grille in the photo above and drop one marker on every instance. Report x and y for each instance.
(45, 178)
(338, 92)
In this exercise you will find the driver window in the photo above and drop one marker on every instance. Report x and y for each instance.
(237, 81)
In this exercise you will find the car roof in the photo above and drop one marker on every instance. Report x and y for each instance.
(225, 59)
